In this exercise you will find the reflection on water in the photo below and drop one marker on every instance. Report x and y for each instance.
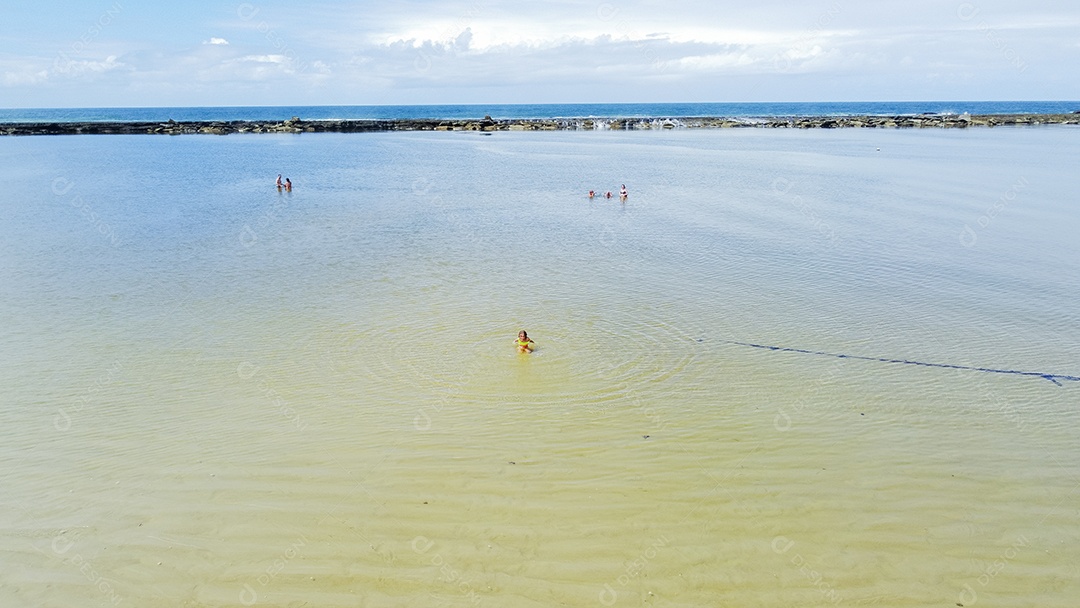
(230, 396)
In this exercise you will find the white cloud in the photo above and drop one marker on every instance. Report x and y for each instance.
(217, 41)
(246, 70)
(717, 61)
(80, 67)
(25, 77)
(265, 58)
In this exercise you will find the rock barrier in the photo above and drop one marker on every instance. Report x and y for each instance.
(296, 125)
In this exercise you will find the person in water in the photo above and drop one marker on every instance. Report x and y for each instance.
(607, 194)
(591, 194)
(622, 193)
(288, 185)
(278, 182)
(524, 342)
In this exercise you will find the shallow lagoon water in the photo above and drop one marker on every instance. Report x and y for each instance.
(217, 394)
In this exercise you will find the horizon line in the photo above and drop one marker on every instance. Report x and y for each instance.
(571, 103)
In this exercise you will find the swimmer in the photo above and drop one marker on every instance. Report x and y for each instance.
(622, 193)
(288, 185)
(607, 194)
(524, 342)
(278, 182)
(591, 194)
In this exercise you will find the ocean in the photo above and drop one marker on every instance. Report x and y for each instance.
(525, 111)
(793, 367)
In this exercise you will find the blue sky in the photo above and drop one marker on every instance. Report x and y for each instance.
(202, 52)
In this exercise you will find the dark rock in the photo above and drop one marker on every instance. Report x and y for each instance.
(294, 125)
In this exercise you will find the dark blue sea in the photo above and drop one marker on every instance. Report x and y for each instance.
(507, 111)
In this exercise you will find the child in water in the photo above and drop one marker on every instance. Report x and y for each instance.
(524, 342)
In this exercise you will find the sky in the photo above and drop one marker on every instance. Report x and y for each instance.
(129, 53)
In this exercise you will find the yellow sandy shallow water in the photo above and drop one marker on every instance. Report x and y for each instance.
(335, 414)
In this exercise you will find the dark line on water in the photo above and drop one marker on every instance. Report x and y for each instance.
(1055, 378)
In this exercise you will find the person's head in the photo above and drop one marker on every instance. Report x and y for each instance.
(522, 335)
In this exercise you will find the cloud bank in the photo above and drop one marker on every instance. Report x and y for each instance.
(454, 52)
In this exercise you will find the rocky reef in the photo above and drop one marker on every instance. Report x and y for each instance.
(296, 125)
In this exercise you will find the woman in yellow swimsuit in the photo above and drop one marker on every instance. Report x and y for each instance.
(524, 342)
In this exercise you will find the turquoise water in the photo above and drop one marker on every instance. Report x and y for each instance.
(219, 394)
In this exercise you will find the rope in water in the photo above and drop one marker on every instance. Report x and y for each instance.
(1055, 378)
